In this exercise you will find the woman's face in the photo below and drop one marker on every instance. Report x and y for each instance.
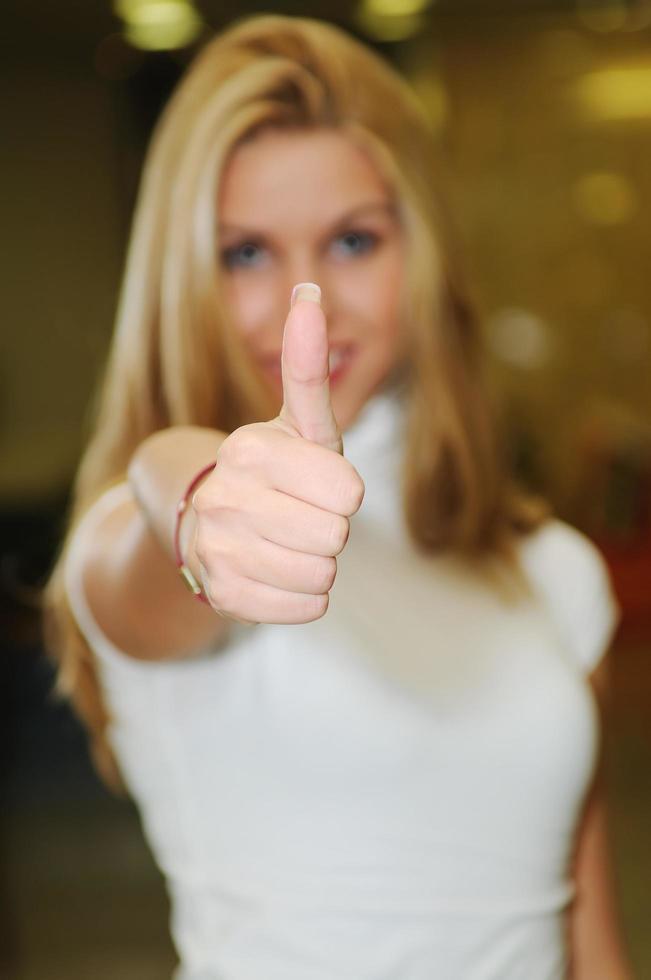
(309, 206)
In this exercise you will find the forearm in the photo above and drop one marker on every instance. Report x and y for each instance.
(126, 560)
(159, 474)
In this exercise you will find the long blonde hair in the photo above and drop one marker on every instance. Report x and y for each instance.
(174, 359)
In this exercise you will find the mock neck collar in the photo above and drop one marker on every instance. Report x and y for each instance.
(379, 425)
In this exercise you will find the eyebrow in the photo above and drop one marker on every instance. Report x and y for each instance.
(387, 205)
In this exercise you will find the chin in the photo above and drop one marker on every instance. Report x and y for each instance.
(346, 411)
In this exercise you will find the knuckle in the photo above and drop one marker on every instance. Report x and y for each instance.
(200, 501)
(338, 535)
(321, 603)
(325, 573)
(226, 596)
(200, 549)
(348, 488)
(206, 544)
(352, 492)
(244, 447)
(314, 607)
(358, 491)
(203, 541)
(217, 510)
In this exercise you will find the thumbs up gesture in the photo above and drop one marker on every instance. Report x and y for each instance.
(274, 513)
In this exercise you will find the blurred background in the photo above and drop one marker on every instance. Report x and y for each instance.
(543, 113)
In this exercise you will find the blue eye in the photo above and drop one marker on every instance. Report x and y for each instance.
(246, 252)
(366, 241)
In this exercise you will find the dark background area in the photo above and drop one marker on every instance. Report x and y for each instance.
(543, 112)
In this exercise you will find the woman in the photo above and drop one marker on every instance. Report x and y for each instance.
(369, 749)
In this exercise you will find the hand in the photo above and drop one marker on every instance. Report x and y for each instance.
(274, 512)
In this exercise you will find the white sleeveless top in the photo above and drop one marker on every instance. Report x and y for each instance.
(390, 792)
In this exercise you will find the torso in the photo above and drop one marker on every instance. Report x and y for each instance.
(389, 791)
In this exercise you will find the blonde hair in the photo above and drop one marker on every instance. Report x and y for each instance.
(174, 359)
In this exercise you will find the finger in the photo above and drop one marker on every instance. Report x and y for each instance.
(247, 601)
(261, 454)
(254, 557)
(297, 525)
(305, 371)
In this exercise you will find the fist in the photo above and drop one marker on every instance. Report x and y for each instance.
(274, 513)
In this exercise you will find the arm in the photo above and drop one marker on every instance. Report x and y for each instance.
(596, 940)
(127, 563)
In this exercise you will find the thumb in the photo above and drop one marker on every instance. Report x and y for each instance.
(305, 371)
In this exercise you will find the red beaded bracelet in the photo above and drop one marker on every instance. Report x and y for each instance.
(184, 571)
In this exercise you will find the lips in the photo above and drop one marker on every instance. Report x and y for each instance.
(338, 356)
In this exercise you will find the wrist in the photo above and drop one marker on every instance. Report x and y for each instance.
(184, 536)
(161, 468)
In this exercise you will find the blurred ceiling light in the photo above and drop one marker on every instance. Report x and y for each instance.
(396, 8)
(159, 25)
(392, 20)
(614, 93)
(520, 338)
(604, 198)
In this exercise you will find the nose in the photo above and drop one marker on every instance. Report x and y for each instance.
(273, 299)
(305, 269)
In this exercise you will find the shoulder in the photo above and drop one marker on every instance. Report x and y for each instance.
(85, 565)
(569, 573)
(97, 526)
(560, 549)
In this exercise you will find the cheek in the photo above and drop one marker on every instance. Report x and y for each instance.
(385, 294)
(249, 307)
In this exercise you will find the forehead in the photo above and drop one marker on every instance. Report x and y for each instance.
(280, 175)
